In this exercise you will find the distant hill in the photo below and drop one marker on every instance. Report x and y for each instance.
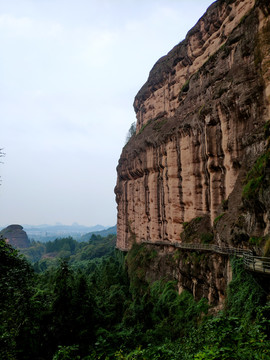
(15, 236)
(102, 233)
(44, 233)
(78, 253)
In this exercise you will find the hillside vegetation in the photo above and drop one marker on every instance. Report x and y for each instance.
(45, 255)
(106, 310)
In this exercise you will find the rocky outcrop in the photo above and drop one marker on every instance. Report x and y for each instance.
(204, 274)
(160, 95)
(15, 236)
(200, 123)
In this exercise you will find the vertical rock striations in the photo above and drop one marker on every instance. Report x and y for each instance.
(197, 119)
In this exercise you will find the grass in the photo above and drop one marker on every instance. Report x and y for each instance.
(159, 124)
(143, 127)
(255, 240)
(218, 218)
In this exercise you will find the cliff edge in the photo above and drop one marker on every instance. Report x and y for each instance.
(201, 119)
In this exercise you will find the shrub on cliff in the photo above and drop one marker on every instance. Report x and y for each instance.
(257, 177)
(131, 132)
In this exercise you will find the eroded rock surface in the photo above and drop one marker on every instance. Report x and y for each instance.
(204, 274)
(15, 236)
(200, 118)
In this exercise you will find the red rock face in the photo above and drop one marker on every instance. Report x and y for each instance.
(16, 236)
(196, 119)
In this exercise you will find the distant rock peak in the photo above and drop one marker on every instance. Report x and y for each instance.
(15, 236)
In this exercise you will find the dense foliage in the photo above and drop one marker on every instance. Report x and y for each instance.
(45, 255)
(103, 311)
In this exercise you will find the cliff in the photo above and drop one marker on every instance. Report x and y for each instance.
(200, 120)
(15, 236)
(197, 169)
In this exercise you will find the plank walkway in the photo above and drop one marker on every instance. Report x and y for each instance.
(252, 262)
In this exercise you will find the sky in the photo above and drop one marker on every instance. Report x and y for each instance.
(69, 72)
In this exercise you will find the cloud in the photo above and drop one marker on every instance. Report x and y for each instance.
(94, 48)
(25, 27)
(69, 73)
(13, 24)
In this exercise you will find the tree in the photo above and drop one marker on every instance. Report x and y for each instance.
(16, 278)
(131, 132)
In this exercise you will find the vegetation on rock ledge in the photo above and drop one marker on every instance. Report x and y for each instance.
(256, 177)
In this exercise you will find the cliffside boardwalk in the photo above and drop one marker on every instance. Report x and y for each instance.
(252, 262)
(200, 159)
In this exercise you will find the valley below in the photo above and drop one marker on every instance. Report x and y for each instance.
(185, 273)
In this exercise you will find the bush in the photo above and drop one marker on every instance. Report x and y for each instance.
(245, 295)
(207, 238)
(131, 132)
(255, 178)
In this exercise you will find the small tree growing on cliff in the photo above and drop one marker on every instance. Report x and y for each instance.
(131, 131)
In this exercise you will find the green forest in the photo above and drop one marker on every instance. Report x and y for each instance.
(98, 306)
(46, 255)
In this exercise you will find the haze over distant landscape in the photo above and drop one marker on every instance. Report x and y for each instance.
(69, 73)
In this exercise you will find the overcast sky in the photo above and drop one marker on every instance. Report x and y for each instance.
(69, 72)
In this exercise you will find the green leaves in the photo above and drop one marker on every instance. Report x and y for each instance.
(245, 295)
(256, 177)
(15, 300)
(98, 312)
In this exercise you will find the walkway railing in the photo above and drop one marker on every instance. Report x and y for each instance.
(203, 247)
(251, 262)
(257, 263)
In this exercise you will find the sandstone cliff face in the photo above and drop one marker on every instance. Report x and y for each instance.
(160, 94)
(15, 236)
(200, 119)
